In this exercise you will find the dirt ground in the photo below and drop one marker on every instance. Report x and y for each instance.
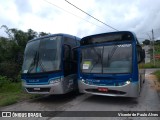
(156, 83)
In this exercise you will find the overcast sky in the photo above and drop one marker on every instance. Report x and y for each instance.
(139, 16)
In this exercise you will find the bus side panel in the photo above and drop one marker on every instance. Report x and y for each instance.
(69, 83)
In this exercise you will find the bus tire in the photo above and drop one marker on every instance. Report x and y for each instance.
(144, 81)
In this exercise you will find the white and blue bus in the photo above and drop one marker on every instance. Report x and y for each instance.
(50, 64)
(109, 64)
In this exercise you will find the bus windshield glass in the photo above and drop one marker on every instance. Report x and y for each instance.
(107, 59)
(42, 55)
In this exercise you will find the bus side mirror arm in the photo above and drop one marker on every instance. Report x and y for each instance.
(75, 48)
(68, 46)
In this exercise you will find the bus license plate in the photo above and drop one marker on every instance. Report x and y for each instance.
(103, 89)
(37, 88)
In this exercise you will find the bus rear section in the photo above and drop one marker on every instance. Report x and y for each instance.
(108, 64)
(50, 65)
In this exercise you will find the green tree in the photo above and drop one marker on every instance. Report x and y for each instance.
(31, 34)
(43, 34)
(12, 50)
(146, 42)
(157, 42)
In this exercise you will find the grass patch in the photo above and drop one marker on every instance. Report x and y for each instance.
(157, 73)
(11, 93)
(7, 99)
(150, 65)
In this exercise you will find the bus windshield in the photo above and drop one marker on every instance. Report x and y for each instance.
(107, 59)
(42, 55)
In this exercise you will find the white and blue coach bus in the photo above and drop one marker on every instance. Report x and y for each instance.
(109, 64)
(50, 64)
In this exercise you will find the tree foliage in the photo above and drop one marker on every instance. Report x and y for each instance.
(146, 42)
(157, 42)
(12, 50)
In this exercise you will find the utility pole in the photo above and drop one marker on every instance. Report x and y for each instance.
(153, 47)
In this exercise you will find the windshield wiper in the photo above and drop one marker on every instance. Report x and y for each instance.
(99, 58)
(33, 63)
(40, 63)
(111, 54)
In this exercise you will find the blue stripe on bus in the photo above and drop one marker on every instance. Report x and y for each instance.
(44, 83)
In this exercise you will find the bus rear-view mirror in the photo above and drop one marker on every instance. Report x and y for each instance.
(141, 54)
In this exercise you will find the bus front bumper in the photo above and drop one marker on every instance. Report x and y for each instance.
(44, 89)
(127, 90)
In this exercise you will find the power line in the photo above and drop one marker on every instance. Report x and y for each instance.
(91, 15)
(72, 14)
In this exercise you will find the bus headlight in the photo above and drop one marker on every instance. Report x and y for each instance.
(83, 80)
(128, 82)
(54, 81)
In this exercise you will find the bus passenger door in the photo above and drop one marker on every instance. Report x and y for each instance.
(68, 81)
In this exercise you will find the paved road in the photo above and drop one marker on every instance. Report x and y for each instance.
(149, 100)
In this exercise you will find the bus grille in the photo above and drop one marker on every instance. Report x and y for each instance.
(41, 90)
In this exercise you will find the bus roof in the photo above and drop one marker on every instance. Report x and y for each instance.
(109, 37)
(58, 34)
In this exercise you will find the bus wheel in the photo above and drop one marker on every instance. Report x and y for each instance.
(144, 81)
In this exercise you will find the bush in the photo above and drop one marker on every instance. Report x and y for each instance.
(3, 81)
(149, 65)
(10, 69)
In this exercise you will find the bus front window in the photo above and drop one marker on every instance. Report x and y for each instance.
(107, 59)
(92, 60)
(42, 55)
